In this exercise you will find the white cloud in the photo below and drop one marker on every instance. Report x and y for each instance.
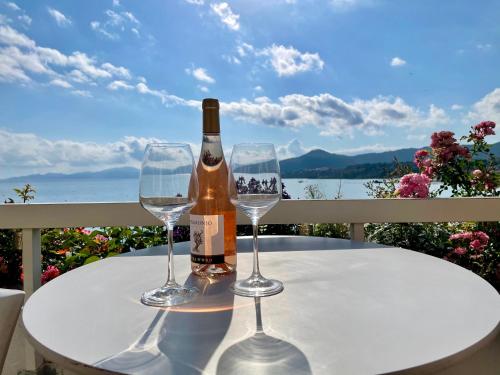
(13, 6)
(397, 61)
(226, 15)
(26, 153)
(60, 83)
(484, 46)
(203, 88)
(195, 2)
(116, 3)
(83, 93)
(231, 59)
(200, 74)
(117, 85)
(22, 57)
(119, 71)
(288, 61)
(60, 18)
(487, 108)
(10, 36)
(347, 5)
(332, 115)
(258, 89)
(456, 107)
(25, 19)
(377, 147)
(244, 48)
(166, 98)
(116, 23)
(292, 149)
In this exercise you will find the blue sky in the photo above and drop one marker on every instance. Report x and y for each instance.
(84, 85)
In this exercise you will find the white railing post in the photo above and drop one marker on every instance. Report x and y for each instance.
(357, 231)
(32, 270)
(32, 260)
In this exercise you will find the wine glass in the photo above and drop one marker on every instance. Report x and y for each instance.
(168, 188)
(255, 187)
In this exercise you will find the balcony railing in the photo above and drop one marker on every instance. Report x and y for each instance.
(33, 217)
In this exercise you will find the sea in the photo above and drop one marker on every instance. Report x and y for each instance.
(126, 190)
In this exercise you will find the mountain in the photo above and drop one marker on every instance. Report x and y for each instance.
(124, 172)
(323, 164)
(314, 164)
(321, 160)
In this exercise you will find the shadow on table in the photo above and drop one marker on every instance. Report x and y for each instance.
(271, 244)
(181, 339)
(262, 354)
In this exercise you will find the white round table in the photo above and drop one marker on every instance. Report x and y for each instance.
(347, 308)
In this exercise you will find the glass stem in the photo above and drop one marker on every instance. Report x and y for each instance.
(258, 316)
(255, 226)
(170, 256)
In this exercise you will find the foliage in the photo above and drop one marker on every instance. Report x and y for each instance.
(466, 171)
(26, 193)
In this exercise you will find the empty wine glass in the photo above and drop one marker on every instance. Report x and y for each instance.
(168, 188)
(255, 187)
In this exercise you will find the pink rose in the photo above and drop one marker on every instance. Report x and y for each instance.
(49, 274)
(460, 250)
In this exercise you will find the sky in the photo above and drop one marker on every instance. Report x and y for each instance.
(85, 85)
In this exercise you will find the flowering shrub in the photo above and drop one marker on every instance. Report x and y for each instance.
(467, 171)
(414, 185)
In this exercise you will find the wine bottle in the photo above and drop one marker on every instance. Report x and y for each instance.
(212, 220)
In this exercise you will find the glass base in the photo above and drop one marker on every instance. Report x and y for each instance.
(256, 286)
(169, 295)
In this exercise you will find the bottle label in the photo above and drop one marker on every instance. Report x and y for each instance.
(207, 238)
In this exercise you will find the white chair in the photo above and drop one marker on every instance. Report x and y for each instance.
(11, 302)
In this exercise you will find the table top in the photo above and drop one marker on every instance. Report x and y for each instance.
(360, 309)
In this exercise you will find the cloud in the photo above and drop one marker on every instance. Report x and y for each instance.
(119, 71)
(166, 98)
(116, 23)
(21, 60)
(83, 93)
(60, 18)
(60, 83)
(200, 74)
(258, 89)
(487, 108)
(288, 61)
(456, 107)
(13, 6)
(117, 85)
(116, 3)
(10, 36)
(484, 46)
(203, 88)
(332, 115)
(25, 19)
(226, 15)
(347, 5)
(26, 153)
(195, 2)
(292, 149)
(397, 61)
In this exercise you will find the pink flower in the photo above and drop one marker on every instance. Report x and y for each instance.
(483, 129)
(477, 173)
(49, 274)
(460, 250)
(421, 154)
(476, 245)
(446, 148)
(414, 185)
